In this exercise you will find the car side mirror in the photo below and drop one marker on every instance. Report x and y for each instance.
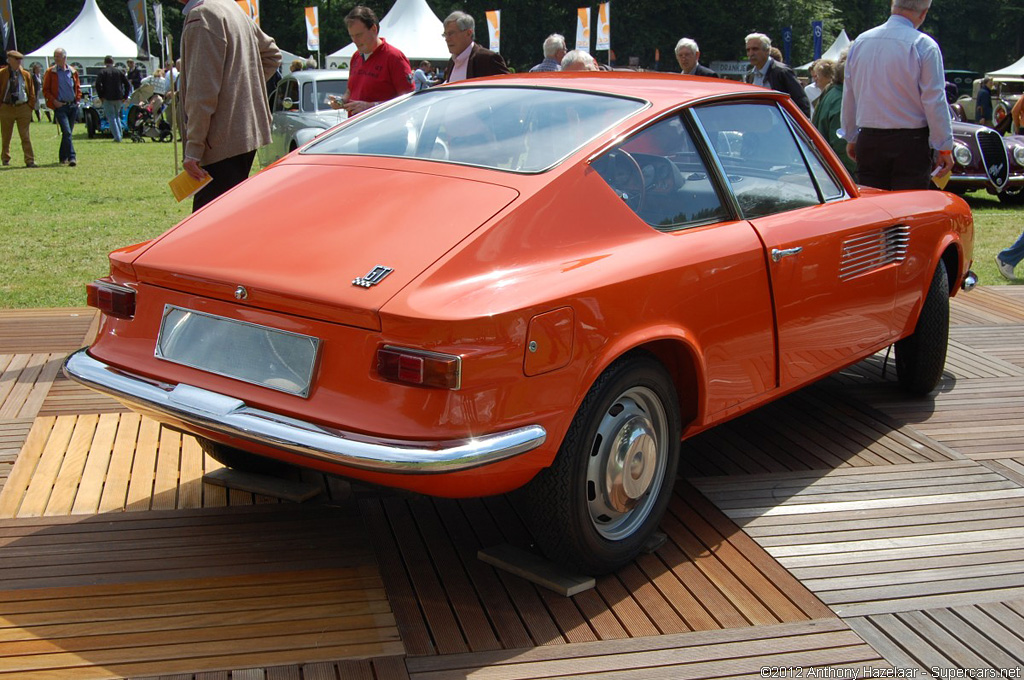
(288, 104)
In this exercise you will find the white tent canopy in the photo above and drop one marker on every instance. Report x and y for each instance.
(411, 27)
(841, 42)
(1014, 70)
(88, 39)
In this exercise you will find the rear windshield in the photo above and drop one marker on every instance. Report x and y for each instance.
(516, 129)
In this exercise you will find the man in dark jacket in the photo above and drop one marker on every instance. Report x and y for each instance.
(469, 60)
(772, 74)
(112, 87)
(134, 75)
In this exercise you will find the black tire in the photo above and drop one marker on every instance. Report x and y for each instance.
(240, 460)
(921, 357)
(92, 124)
(582, 514)
(1013, 196)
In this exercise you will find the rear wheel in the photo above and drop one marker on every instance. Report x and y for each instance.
(601, 500)
(921, 357)
(92, 123)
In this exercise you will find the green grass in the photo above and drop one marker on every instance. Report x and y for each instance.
(996, 227)
(59, 223)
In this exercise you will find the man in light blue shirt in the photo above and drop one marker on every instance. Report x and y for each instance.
(894, 103)
(554, 50)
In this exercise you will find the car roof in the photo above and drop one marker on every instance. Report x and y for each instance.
(663, 90)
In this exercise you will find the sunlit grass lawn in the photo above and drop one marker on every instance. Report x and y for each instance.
(59, 223)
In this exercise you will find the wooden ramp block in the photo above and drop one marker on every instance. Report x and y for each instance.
(286, 489)
(535, 569)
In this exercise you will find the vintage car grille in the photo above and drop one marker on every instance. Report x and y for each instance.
(993, 156)
(868, 252)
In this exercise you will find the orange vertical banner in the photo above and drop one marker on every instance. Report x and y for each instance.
(494, 29)
(583, 29)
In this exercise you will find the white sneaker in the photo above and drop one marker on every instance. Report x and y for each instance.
(1006, 269)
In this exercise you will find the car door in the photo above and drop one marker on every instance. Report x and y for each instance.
(716, 289)
(833, 259)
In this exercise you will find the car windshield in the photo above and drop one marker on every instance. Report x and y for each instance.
(1011, 87)
(324, 90)
(516, 129)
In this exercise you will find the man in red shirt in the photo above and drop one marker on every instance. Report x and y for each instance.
(378, 71)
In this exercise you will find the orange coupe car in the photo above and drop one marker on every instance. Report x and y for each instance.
(541, 281)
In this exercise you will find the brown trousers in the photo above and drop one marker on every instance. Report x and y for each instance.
(9, 115)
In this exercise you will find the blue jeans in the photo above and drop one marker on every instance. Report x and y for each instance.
(112, 110)
(1015, 253)
(65, 116)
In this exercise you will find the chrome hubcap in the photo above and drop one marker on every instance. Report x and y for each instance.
(627, 463)
(632, 463)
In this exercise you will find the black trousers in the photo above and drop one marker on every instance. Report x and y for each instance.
(226, 174)
(894, 159)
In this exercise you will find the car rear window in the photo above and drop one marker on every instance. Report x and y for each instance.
(515, 129)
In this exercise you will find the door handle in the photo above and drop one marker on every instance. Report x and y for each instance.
(779, 254)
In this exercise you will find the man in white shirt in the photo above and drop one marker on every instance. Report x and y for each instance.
(894, 103)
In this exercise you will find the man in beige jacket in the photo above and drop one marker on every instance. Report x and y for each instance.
(226, 61)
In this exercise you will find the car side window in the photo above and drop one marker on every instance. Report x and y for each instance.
(761, 159)
(830, 188)
(279, 94)
(661, 176)
(307, 97)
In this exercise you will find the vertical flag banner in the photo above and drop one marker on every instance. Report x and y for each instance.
(583, 29)
(787, 43)
(313, 28)
(137, 8)
(7, 38)
(158, 22)
(494, 29)
(251, 9)
(604, 26)
(817, 28)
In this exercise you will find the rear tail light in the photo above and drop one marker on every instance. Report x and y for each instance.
(111, 299)
(417, 367)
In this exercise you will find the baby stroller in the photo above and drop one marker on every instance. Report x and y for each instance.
(144, 119)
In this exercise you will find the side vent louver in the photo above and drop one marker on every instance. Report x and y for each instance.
(868, 252)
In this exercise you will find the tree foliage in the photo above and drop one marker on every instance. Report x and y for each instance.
(977, 36)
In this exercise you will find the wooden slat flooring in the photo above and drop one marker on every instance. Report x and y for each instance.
(708, 575)
(67, 397)
(883, 540)
(13, 432)
(112, 462)
(983, 636)
(25, 382)
(714, 654)
(45, 330)
(845, 525)
(143, 593)
(987, 305)
(816, 428)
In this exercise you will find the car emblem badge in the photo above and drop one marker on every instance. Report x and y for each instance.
(373, 277)
(241, 293)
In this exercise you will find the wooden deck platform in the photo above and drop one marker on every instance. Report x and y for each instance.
(845, 527)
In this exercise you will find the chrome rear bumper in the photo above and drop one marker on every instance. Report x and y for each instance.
(199, 410)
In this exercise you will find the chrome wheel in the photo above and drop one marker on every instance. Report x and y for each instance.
(628, 459)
